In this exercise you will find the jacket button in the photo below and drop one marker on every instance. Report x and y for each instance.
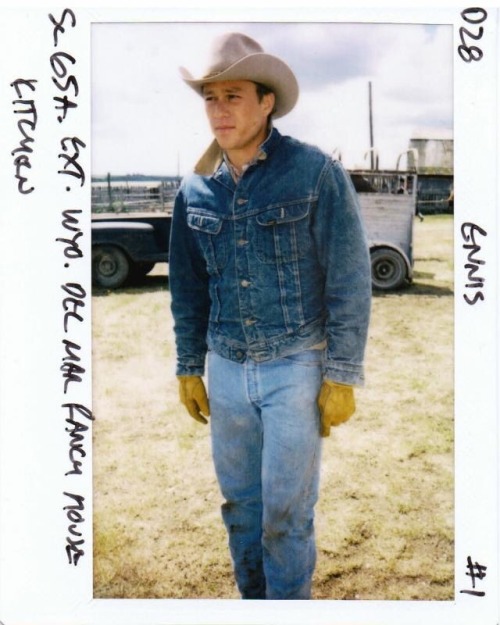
(241, 201)
(245, 283)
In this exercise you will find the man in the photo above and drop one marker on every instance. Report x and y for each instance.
(269, 275)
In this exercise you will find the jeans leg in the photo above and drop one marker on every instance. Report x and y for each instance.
(266, 448)
(290, 472)
(236, 447)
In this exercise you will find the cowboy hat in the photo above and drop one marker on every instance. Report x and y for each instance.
(235, 56)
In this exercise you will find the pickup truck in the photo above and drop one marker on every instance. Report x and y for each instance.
(130, 228)
(127, 244)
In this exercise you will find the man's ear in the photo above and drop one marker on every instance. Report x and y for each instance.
(269, 101)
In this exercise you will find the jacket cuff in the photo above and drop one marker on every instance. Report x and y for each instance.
(345, 373)
(183, 369)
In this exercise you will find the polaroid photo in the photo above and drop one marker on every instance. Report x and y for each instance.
(110, 507)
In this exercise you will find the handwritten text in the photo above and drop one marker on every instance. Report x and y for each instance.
(473, 15)
(469, 233)
(26, 126)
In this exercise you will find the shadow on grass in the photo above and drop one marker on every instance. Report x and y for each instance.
(416, 289)
(148, 284)
(152, 284)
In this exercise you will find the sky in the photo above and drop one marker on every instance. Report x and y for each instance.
(146, 120)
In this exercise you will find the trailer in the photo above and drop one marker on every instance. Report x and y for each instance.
(388, 206)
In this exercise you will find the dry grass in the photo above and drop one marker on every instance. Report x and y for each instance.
(385, 516)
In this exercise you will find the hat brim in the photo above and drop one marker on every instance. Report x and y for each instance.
(260, 67)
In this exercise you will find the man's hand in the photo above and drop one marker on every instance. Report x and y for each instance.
(193, 395)
(336, 404)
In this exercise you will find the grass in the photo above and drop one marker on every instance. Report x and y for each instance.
(385, 516)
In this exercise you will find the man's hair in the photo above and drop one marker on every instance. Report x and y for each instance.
(262, 90)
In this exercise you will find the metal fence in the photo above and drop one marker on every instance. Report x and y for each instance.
(435, 194)
(133, 197)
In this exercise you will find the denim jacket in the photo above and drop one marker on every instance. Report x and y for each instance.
(271, 265)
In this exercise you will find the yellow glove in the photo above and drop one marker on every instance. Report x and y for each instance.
(336, 404)
(193, 395)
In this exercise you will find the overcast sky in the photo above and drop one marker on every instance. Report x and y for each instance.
(146, 120)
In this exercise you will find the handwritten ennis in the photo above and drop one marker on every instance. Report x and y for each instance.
(24, 105)
(470, 232)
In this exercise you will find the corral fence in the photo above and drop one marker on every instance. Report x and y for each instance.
(124, 197)
(434, 194)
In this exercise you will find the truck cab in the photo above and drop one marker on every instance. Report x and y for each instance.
(131, 222)
(127, 246)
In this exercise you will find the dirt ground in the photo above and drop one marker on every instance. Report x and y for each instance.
(384, 521)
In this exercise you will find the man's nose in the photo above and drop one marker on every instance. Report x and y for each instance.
(220, 109)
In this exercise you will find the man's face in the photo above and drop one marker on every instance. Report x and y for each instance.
(237, 118)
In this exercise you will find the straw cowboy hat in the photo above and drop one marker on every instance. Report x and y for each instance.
(235, 56)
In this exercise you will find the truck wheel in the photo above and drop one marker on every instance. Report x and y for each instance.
(110, 266)
(388, 269)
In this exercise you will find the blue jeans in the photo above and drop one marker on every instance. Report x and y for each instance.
(266, 448)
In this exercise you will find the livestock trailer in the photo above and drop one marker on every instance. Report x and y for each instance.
(388, 205)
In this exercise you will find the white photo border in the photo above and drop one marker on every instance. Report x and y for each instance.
(46, 299)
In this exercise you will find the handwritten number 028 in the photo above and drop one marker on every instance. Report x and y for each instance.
(472, 16)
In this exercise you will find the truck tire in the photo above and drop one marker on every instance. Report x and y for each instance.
(110, 266)
(388, 269)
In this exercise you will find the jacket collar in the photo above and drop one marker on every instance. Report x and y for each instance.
(213, 157)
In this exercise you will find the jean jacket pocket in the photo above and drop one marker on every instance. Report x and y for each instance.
(283, 232)
(208, 229)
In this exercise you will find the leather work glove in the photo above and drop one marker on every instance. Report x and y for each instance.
(193, 395)
(336, 404)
